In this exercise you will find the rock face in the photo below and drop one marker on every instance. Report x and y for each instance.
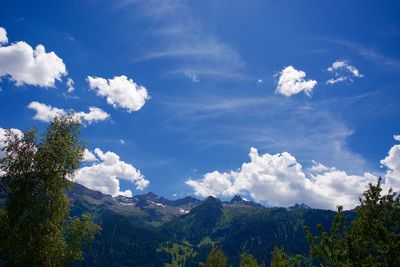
(298, 206)
(150, 206)
(239, 201)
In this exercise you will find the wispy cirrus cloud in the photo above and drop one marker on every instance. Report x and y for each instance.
(178, 35)
(369, 53)
(343, 71)
(274, 123)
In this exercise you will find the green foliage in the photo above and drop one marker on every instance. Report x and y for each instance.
(372, 239)
(330, 249)
(247, 260)
(36, 227)
(80, 232)
(279, 258)
(216, 258)
(179, 253)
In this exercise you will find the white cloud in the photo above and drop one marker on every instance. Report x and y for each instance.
(292, 81)
(392, 163)
(397, 137)
(95, 114)
(179, 34)
(192, 76)
(88, 156)
(70, 85)
(26, 65)
(120, 92)
(3, 36)
(342, 70)
(318, 167)
(279, 180)
(369, 53)
(47, 113)
(3, 139)
(270, 122)
(105, 176)
(121, 141)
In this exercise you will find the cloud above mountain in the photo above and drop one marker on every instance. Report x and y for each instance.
(105, 172)
(24, 64)
(279, 180)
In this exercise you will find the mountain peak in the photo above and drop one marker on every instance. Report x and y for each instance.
(236, 199)
(151, 194)
(298, 206)
(211, 201)
(185, 201)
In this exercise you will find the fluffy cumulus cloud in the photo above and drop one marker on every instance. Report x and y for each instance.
(105, 175)
(3, 138)
(120, 92)
(279, 180)
(392, 163)
(3, 36)
(292, 81)
(342, 72)
(88, 156)
(47, 113)
(27, 65)
(95, 114)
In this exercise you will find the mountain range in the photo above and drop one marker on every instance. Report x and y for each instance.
(149, 230)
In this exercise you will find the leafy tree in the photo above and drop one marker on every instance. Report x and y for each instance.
(36, 227)
(216, 258)
(247, 260)
(279, 258)
(372, 239)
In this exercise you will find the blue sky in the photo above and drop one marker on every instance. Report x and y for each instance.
(222, 77)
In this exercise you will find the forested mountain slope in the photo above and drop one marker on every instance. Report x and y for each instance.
(149, 230)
